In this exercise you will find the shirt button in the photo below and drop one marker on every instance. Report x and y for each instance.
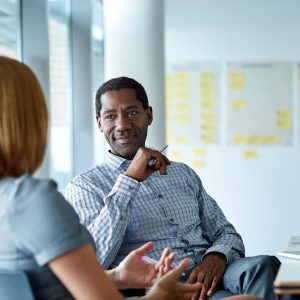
(171, 220)
(131, 187)
(160, 196)
(185, 250)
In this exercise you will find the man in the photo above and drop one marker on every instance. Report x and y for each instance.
(138, 195)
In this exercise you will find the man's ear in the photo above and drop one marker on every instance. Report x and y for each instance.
(98, 119)
(149, 115)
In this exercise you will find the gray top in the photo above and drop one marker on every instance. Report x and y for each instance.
(36, 226)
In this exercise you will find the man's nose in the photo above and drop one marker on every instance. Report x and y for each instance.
(122, 123)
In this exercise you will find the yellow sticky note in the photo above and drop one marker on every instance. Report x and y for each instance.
(181, 140)
(208, 127)
(206, 76)
(250, 154)
(241, 139)
(208, 138)
(199, 152)
(209, 117)
(180, 76)
(183, 119)
(182, 94)
(169, 77)
(176, 155)
(207, 93)
(208, 104)
(183, 107)
(283, 119)
(272, 139)
(198, 164)
(237, 80)
(255, 139)
(238, 104)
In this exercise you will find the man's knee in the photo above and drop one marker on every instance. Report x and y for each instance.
(268, 263)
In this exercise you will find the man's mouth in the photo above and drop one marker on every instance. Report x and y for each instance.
(124, 139)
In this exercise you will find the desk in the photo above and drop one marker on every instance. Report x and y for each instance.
(287, 282)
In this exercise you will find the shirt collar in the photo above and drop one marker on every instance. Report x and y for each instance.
(116, 162)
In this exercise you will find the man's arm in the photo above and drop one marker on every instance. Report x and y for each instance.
(105, 218)
(226, 245)
(216, 229)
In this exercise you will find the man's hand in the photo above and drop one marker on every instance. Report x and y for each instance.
(209, 273)
(140, 168)
(134, 273)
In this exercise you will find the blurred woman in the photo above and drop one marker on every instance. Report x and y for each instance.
(39, 231)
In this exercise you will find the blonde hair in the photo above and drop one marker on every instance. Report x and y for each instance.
(23, 119)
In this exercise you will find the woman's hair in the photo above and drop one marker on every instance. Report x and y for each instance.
(23, 119)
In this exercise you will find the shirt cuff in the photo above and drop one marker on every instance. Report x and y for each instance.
(221, 249)
(125, 185)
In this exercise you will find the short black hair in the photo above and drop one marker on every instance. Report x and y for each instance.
(121, 83)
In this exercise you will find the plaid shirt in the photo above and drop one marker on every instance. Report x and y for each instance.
(172, 210)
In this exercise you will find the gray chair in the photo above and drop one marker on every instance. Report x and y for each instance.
(15, 285)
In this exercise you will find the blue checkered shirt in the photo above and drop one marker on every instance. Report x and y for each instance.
(172, 210)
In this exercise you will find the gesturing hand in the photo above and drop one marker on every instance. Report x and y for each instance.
(169, 288)
(140, 169)
(209, 273)
(134, 273)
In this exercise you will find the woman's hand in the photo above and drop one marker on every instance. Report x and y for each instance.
(168, 287)
(134, 273)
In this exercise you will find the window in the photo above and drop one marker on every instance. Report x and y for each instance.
(60, 166)
(10, 28)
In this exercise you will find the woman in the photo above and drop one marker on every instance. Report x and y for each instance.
(39, 231)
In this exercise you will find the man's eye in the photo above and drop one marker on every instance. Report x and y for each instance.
(109, 117)
(132, 113)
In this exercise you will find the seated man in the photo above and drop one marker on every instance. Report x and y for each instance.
(138, 195)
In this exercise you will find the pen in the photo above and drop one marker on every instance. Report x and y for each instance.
(150, 260)
(152, 161)
(163, 149)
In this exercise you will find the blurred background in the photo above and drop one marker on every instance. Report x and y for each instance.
(223, 77)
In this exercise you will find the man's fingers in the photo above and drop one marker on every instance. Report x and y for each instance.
(205, 288)
(213, 287)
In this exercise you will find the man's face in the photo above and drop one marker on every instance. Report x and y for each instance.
(124, 121)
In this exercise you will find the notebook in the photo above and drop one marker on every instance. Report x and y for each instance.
(289, 254)
(287, 281)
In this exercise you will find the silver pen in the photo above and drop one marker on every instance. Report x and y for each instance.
(163, 149)
(152, 160)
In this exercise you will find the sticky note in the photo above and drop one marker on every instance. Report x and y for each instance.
(176, 155)
(283, 119)
(207, 76)
(183, 119)
(198, 164)
(208, 104)
(250, 154)
(182, 76)
(209, 117)
(183, 107)
(272, 139)
(181, 140)
(238, 104)
(208, 127)
(199, 152)
(207, 93)
(241, 139)
(237, 80)
(208, 139)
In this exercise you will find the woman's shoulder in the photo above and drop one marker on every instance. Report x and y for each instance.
(29, 192)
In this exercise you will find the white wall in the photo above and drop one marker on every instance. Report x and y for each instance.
(260, 197)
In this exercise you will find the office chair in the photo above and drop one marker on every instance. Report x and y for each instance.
(15, 285)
